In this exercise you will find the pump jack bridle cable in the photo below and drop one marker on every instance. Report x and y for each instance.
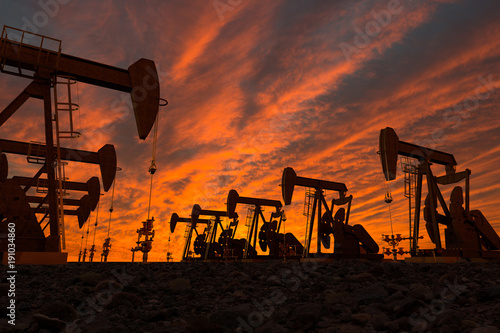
(96, 221)
(390, 211)
(153, 168)
(388, 196)
(111, 206)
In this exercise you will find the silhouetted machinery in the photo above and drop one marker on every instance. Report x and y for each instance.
(144, 245)
(186, 252)
(225, 247)
(39, 59)
(468, 234)
(350, 241)
(279, 244)
(106, 247)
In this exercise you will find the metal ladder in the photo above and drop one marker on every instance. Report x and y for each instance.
(308, 197)
(248, 224)
(186, 231)
(66, 106)
(410, 171)
(42, 185)
(209, 230)
(61, 106)
(36, 152)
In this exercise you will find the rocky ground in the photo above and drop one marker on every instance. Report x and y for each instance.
(349, 296)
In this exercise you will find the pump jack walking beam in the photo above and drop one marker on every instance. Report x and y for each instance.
(140, 79)
(105, 157)
(136, 81)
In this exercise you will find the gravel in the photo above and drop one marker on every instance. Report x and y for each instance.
(274, 296)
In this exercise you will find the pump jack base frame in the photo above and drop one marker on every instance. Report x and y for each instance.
(37, 258)
(258, 258)
(192, 259)
(325, 257)
(267, 258)
(451, 256)
(330, 257)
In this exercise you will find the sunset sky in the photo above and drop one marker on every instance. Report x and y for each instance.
(255, 86)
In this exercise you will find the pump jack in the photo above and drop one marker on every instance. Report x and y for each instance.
(468, 234)
(174, 219)
(43, 65)
(269, 235)
(226, 246)
(350, 241)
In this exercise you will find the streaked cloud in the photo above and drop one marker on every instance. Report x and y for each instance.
(269, 86)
